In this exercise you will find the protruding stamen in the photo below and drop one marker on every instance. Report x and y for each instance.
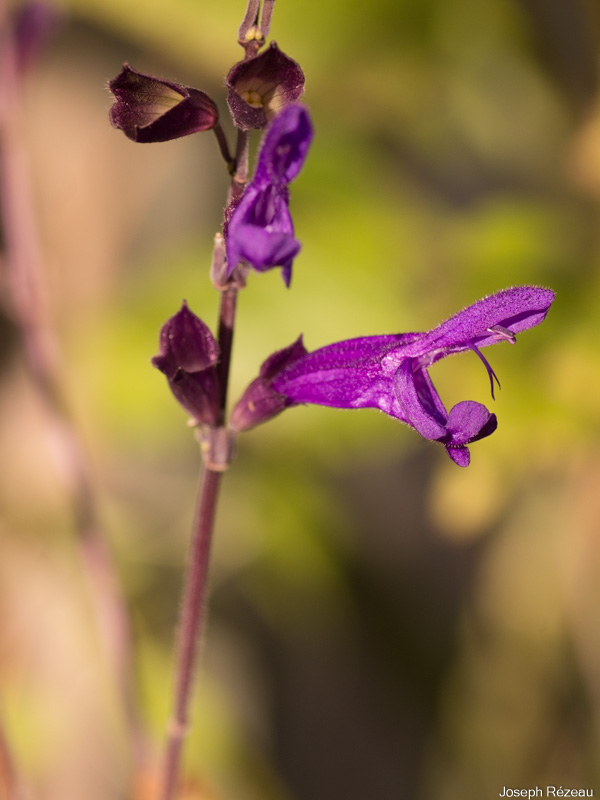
(499, 333)
(486, 363)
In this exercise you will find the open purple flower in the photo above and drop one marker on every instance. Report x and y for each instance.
(260, 87)
(390, 372)
(188, 354)
(260, 229)
(150, 109)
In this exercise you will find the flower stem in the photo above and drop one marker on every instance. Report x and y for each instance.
(195, 592)
(225, 338)
(193, 609)
(223, 145)
(193, 615)
(265, 17)
(250, 19)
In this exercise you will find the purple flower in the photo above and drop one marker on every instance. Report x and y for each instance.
(188, 354)
(259, 87)
(150, 109)
(390, 372)
(260, 229)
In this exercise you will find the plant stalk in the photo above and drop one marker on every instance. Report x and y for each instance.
(191, 628)
(195, 592)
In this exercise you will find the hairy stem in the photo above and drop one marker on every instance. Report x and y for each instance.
(191, 625)
(265, 17)
(225, 338)
(193, 609)
(250, 19)
(223, 144)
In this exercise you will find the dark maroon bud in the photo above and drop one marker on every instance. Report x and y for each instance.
(188, 354)
(149, 109)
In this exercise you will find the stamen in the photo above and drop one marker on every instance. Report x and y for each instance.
(499, 333)
(253, 98)
(490, 371)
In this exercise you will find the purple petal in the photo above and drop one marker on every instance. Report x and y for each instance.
(261, 231)
(420, 402)
(343, 375)
(285, 146)
(259, 228)
(460, 455)
(514, 310)
(467, 420)
(266, 249)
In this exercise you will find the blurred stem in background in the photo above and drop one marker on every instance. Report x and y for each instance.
(9, 781)
(26, 306)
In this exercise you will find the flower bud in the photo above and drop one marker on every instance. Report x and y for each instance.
(188, 354)
(150, 109)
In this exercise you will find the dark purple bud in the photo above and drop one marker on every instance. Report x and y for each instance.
(260, 403)
(150, 109)
(188, 354)
(260, 87)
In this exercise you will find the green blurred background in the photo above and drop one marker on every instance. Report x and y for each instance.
(383, 624)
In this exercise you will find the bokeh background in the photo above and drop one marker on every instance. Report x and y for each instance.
(383, 624)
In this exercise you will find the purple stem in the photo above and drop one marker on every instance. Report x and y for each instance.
(193, 608)
(225, 338)
(191, 625)
(265, 17)
(250, 19)
(223, 144)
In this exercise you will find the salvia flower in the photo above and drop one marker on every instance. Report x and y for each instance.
(260, 229)
(260, 87)
(149, 109)
(390, 372)
(259, 402)
(188, 354)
